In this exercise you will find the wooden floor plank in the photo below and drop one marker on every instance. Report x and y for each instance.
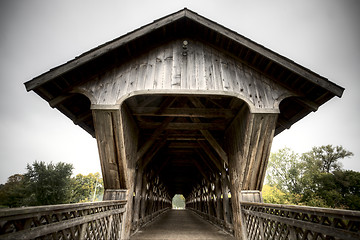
(180, 224)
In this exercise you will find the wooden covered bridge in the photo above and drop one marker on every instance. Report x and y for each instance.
(182, 106)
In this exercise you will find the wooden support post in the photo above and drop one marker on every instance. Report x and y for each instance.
(129, 141)
(138, 190)
(225, 192)
(117, 137)
(210, 201)
(219, 208)
(143, 197)
(249, 141)
(107, 125)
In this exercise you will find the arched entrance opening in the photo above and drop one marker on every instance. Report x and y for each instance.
(182, 148)
(181, 137)
(178, 202)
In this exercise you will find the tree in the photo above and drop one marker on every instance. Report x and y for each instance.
(48, 184)
(326, 157)
(86, 187)
(314, 178)
(284, 171)
(12, 192)
(319, 164)
(340, 189)
(271, 194)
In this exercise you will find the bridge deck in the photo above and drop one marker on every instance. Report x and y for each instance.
(180, 224)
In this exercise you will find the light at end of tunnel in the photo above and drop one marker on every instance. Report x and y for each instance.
(178, 202)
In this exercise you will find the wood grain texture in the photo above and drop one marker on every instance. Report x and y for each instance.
(198, 68)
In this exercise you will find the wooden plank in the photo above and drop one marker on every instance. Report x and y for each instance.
(177, 66)
(267, 149)
(254, 146)
(200, 67)
(150, 74)
(159, 70)
(168, 67)
(103, 122)
(313, 77)
(129, 135)
(90, 55)
(192, 77)
(209, 70)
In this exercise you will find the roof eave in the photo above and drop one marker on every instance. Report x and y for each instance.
(185, 13)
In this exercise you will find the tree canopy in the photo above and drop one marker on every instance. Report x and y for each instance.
(45, 184)
(86, 187)
(314, 178)
(48, 183)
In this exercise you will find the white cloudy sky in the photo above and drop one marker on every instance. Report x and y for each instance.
(322, 35)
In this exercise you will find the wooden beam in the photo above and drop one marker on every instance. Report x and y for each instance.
(155, 149)
(208, 136)
(181, 145)
(145, 147)
(197, 165)
(182, 126)
(183, 112)
(113, 168)
(307, 103)
(212, 141)
(211, 156)
(59, 99)
(82, 117)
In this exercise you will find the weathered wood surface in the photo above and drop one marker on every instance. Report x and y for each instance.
(187, 226)
(67, 221)
(249, 141)
(273, 221)
(167, 70)
(114, 169)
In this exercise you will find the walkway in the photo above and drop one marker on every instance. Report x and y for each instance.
(180, 224)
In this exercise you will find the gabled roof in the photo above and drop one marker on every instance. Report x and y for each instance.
(55, 85)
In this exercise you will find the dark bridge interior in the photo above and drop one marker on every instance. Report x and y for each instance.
(182, 130)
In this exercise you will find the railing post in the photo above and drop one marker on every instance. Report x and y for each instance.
(109, 225)
(83, 231)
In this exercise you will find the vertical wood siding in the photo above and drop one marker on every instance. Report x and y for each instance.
(173, 68)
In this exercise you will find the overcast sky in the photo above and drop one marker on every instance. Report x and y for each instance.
(36, 36)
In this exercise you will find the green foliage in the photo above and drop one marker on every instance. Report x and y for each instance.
(48, 184)
(326, 158)
(178, 201)
(12, 192)
(85, 188)
(285, 171)
(314, 178)
(45, 184)
(271, 194)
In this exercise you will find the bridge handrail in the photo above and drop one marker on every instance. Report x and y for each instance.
(67, 221)
(277, 221)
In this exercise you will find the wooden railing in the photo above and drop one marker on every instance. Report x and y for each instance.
(99, 220)
(272, 221)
